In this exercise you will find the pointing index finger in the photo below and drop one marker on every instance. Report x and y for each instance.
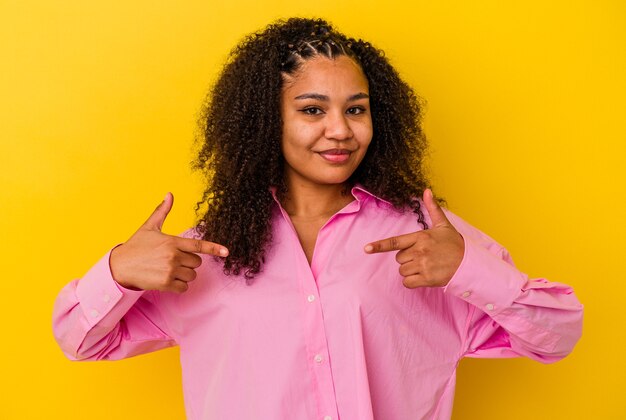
(394, 243)
(198, 246)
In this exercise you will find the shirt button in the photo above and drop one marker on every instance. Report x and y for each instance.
(466, 294)
(318, 358)
(106, 298)
(328, 418)
(94, 313)
(310, 298)
(489, 306)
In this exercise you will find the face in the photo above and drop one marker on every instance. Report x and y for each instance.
(327, 124)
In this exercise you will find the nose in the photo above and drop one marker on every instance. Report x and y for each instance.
(337, 127)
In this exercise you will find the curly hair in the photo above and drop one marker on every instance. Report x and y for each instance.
(241, 128)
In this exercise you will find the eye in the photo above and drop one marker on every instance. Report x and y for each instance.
(355, 110)
(312, 110)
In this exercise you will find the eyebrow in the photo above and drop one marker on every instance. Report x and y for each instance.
(325, 98)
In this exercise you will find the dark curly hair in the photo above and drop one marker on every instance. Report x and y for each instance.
(241, 127)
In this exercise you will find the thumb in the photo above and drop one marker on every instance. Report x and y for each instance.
(437, 216)
(157, 218)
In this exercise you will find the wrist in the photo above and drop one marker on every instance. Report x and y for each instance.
(114, 268)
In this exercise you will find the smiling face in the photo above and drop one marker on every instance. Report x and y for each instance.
(327, 124)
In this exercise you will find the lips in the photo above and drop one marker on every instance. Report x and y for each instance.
(336, 155)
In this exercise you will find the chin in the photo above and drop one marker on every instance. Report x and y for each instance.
(334, 180)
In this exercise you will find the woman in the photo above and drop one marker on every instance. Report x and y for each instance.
(293, 306)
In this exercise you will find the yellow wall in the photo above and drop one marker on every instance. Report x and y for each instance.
(525, 117)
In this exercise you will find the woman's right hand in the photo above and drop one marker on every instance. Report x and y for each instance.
(152, 260)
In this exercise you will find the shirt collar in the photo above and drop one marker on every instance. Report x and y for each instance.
(358, 192)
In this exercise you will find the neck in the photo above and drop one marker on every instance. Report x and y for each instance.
(313, 201)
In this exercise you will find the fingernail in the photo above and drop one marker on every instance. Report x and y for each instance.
(369, 248)
(223, 252)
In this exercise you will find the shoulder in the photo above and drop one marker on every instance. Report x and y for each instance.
(472, 233)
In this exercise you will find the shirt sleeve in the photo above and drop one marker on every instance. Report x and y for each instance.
(95, 318)
(510, 314)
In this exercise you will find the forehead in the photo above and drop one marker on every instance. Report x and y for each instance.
(327, 76)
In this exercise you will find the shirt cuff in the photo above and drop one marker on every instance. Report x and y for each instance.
(485, 280)
(100, 296)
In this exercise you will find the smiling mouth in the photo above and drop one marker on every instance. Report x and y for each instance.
(335, 155)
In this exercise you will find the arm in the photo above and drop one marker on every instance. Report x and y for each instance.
(510, 314)
(95, 318)
(112, 312)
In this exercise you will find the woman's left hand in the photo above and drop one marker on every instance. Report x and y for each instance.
(427, 257)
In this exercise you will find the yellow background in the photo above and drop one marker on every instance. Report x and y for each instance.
(525, 116)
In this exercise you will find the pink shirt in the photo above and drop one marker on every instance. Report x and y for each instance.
(339, 339)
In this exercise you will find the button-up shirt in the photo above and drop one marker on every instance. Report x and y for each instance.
(340, 338)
